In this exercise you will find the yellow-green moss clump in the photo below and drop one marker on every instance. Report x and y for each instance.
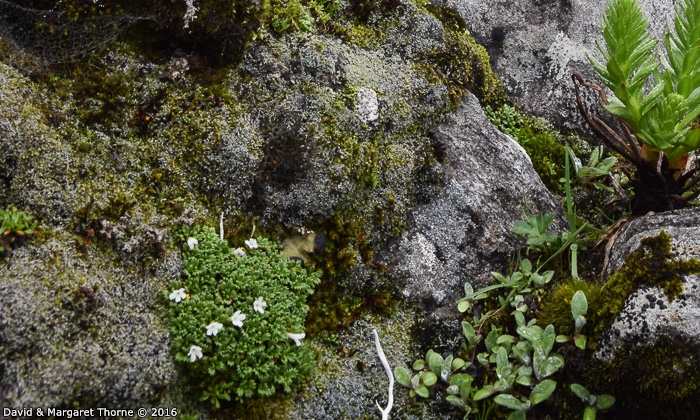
(463, 65)
(556, 305)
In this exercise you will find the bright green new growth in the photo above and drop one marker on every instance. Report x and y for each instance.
(16, 221)
(658, 107)
(257, 358)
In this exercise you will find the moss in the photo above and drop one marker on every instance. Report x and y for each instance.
(555, 308)
(652, 264)
(463, 65)
(659, 381)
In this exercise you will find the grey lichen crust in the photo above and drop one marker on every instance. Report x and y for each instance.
(78, 329)
(462, 234)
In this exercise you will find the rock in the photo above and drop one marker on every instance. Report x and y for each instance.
(77, 330)
(463, 233)
(535, 46)
(654, 335)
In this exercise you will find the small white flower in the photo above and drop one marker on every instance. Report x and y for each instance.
(178, 295)
(296, 337)
(239, 252)
(259, 305)
(214, 328)
(192, 242)
(195, 353)
(252, 243)
(237, 319)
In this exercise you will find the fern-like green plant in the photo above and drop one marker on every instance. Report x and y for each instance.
(656, 98)
(661, 116)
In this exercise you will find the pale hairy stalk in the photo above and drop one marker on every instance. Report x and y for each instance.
(382, 357)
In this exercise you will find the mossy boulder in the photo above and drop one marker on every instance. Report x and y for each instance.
(648, 353)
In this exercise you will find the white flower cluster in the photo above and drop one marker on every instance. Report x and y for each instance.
(236, 319)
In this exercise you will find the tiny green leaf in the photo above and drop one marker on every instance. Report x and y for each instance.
(403, 376)
(455, 400)
(484, 392)
(435, 362)
(428, 378)
(418, 364)
(458, 364)
(542, 391)
(579, 304)
(468, 332)
(580, 342)
(605, 401)
(468, 289)
(422, 391)
(509, 401)
(580, 391)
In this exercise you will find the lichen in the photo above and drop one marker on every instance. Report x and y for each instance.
(654, 264)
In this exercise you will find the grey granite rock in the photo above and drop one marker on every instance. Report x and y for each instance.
(649, 315)
(535, 45)
(463, 233)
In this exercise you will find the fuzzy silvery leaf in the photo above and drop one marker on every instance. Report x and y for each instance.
(460, 379)
(446, 370)
(468, 289)
(453, 390)
(523, 351)
(531, 333)
(435, 361)
(428, 378)
(415, 381)
(579, 304)
(492, 340)
(455, 401)
(580, 391)
(506, 339)
(403, 376)
(548, 337)
(501, 358)
(501, 385)
(542, 391)
(509, 401)
(524, 380)
(483, 359)
(484, 392)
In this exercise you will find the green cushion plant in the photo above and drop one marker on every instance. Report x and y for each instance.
(237, 319)
(656, 99)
